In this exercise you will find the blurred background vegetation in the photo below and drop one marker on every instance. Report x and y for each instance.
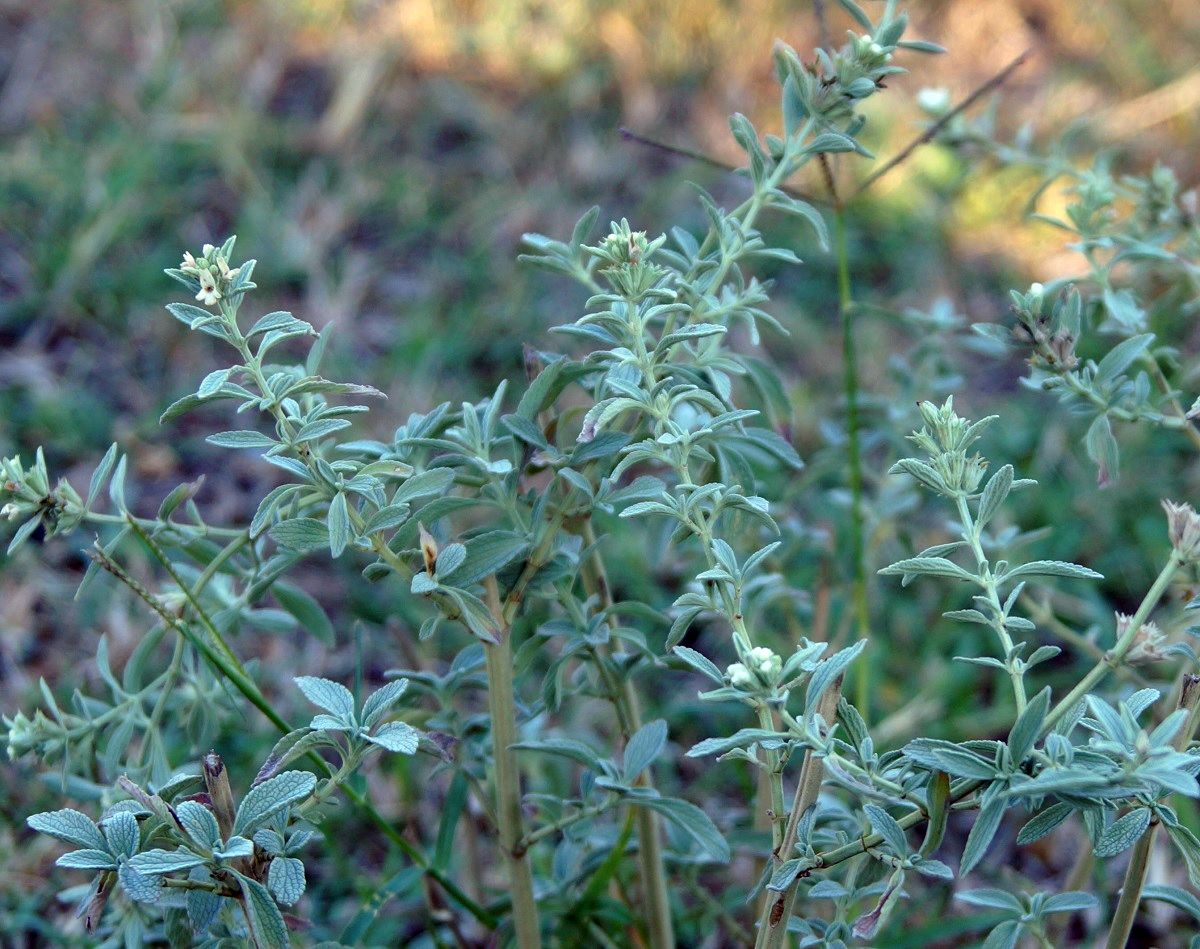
(382, 159)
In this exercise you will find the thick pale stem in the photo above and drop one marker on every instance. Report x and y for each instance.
(772, 927)
(503, 710)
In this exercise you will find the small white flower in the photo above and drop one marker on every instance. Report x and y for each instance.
(10, 511)
(740, 677)
(765, 662)
(209, 294)
(935, 101)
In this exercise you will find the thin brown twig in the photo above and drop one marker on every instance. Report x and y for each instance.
(903, 155)
(928, 135)
(694, 155)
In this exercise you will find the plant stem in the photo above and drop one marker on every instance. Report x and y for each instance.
(862, 692)
(971, 533)
(1117, 654)
(231, 668)
(1139, 858)
(773, 924)
(503, 710)
(650, 855)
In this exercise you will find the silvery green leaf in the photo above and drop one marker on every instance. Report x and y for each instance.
(308, 612)
(100, 475)
(827, 672)
(69, 826)
(680, 626)
(202, 908)
(700, 663)
(278, 320)
(968, 616)
(980, 838)
(786, 873)
(742, 738)
(860, 17)
(1121, 357)
(380, 702)
(267, 927)
(1122, 833)
(449, 559)
(1071, 902)
(265, 800)
(693, 821)
(886, 827)
(1041, 824)
(928, 566)
(1102, 448)
(241, 439)
(473, 612)
(1050, 568)
(422, 583)
(1189, 848)
(397, 737)
(1180, 899)
(285, 880)
(489, 553)
(341, 532)
(332, 696)
(87, 860)
(301, 534)
(121, 833)
(991, 899)
(141, 888)
(1004, 936)
(994, 494)
(1028, 726)
(157, 862)
(826, 890)
(235, 848)
(212, 383)
(1041, 654)
(569, 748)
(645, 745)
(424, 484)
(934, 868)
(199, 823)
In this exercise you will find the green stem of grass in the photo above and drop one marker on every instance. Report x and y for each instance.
(862, 691)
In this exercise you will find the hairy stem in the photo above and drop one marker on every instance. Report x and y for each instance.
(503, 711)
(772, 927)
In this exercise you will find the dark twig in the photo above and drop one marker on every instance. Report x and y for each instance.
(928, 135)
(903, 155)
(632, 136)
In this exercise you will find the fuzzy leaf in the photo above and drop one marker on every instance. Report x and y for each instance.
(265, 800)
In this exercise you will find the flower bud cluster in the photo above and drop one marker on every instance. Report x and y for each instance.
(759, 669)
(213, 272)
(624, 257)
(1183, 527)
(1051, 326)
(945, 439)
